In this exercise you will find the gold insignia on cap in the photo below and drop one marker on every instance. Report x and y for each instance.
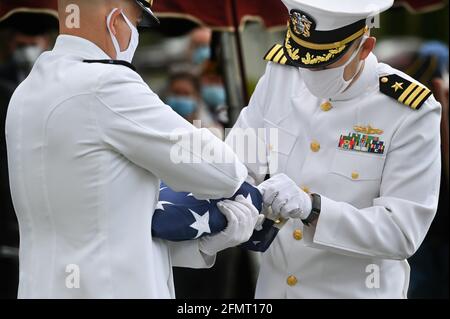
(302, 25)
(369, 130)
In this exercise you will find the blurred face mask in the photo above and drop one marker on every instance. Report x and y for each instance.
(128, 54)
(214, 95)
(26, 56)
(330, 83)
(183, 105)
(201, 55)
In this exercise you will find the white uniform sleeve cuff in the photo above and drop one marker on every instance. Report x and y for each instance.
(187, 254)
(324, 232)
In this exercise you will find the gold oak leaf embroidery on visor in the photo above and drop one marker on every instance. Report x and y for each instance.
(310, 59)
(292, 53)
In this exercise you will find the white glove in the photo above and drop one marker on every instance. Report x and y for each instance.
(242, 218)
(285, 197)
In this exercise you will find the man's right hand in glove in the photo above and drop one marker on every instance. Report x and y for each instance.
(285, 198)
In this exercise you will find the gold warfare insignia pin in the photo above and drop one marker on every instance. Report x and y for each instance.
(368, 130)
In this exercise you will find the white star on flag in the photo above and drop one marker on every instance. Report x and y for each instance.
(201, 223)
(248, 199)
(160, 205)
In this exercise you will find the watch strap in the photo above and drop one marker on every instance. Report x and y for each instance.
(315, 212)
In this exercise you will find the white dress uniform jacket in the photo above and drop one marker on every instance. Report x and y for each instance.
(376, 208)
(87, 147)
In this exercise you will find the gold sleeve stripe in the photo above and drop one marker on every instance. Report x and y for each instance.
(283, 60)
(278, 56)
(414, 95)
(425, 94)
(405, 94)
(269, 56)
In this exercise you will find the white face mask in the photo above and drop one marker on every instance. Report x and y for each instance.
(128, 54)
(330, 83)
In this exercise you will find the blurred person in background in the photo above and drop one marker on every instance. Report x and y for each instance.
(430, 265)
(214, 93)
(428, 63)
(22, 51)
(200, 45)
(183, 96)
(22, 47)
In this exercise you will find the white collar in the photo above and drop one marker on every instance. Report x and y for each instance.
(69, 44)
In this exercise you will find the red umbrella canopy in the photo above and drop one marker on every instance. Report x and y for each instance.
(29, 16)
(224, 15)
(421, 5)
(229, 14)
(10, 7)
(218, 14)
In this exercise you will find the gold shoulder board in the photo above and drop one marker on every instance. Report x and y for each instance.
(276, 55)
(409, 93)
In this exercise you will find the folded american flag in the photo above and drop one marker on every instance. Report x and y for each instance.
(180, 217)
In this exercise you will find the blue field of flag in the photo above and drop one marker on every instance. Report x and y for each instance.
(180, 216)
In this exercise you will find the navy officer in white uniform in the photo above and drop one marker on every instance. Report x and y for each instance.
(356, 165)
(88, 142)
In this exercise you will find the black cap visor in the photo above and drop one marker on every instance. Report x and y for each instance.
(148, 19)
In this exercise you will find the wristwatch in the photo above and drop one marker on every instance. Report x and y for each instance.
(315, 212)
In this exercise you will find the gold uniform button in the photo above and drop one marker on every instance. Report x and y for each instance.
(326, 106)
(298, 235)
(292, 281)
(306, 189)
(315, 146)
(355, 175)
(384, 80)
